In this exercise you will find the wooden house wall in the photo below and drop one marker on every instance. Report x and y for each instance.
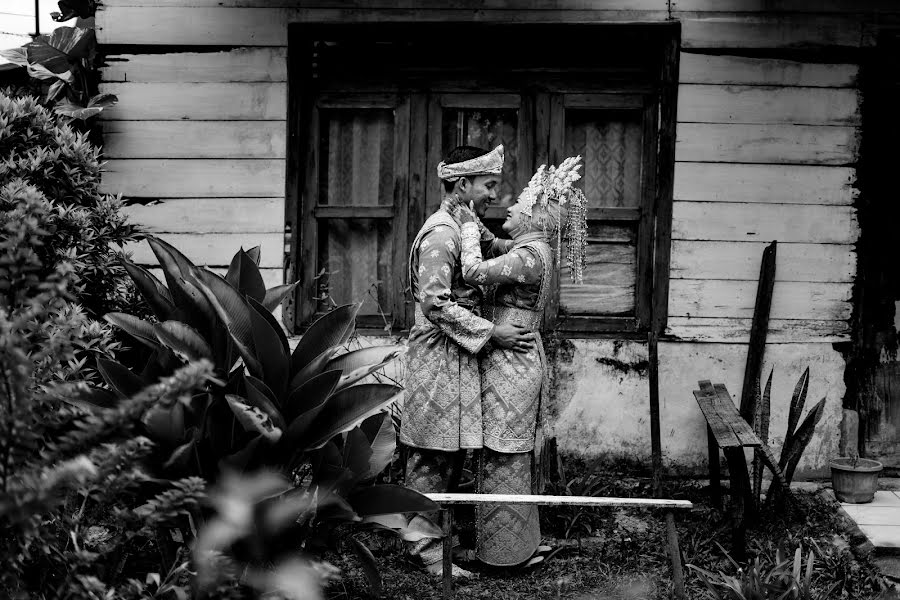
(765, 148)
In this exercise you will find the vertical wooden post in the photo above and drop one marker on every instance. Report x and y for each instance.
(448, 553)
(655, 436)
(715, 486)
(758, 329)
(675, 557)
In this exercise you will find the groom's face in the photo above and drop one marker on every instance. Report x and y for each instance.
(483, 190)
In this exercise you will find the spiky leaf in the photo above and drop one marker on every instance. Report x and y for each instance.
(791, 454)
(798, 399)
(383, 445)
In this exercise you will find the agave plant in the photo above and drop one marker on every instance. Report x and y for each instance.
(797, 437)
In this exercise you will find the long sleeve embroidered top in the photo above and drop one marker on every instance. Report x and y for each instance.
(517, 273)
(445, 299)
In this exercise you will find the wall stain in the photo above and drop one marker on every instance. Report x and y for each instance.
(640, 367)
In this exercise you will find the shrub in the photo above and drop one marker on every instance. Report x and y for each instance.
(71, 481)
(39, 151)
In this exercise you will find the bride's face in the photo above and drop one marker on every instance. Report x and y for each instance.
(513, 218)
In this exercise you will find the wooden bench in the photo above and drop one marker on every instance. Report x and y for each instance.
(727, 429)
(669, 506)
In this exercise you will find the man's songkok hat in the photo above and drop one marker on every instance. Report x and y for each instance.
(486, 164)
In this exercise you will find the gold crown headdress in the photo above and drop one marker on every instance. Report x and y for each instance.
(486, 164)
(556, 185)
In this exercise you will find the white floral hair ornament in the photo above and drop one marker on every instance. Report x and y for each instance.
(556, 186)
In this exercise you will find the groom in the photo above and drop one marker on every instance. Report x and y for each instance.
(442, 408)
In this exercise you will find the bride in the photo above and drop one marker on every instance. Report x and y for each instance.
(514, 381)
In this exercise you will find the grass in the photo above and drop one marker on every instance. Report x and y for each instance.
(620, 554)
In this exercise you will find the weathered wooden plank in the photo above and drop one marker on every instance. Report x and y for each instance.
(17, 24)
(743, 70)
(238, 65)
(726, 409)
(210, 215)
(737, 331)
(243, 26)
(725, 437)
(215, 249)
(597, 299)
(779, 184)
(424, 5)
(700, 103)
(727, 30)
(792, 6)
(208, 178)
(194, 139)
(198, 101)
(779, 144)
(736, 221)
(826, 263)
(791, 300)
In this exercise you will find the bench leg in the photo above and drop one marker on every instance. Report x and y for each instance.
(675, 557)
(448, 554)
(715, 487)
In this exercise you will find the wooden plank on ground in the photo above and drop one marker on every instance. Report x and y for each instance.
(237, 65)
(778, 144)
(780, 184)
(737, 331)
(728, 30)
(744, 70)
(180, 178)
(736, 221)
(215, 249)
(210, 215)
(723, 434)
(193, 139)
(728, 411)
(699, 259)
(792, 300)
(541, 500)
(701, 103)
(261, 101)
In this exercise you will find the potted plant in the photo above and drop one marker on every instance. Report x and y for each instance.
(855, 479)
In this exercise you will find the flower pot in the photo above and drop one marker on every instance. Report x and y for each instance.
(855, 483)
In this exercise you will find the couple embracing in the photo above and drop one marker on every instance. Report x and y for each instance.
(476, 367)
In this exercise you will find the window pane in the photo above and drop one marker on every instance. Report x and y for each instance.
(356, 165)
(486, 128)
(610, 143)
(609, 275)
(356, 256)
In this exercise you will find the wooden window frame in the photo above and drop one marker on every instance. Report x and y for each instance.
(641, 216)
(416, 192)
